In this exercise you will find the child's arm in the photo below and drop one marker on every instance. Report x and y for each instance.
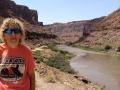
(32, 79)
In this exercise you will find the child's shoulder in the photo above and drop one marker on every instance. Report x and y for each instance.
(25, 47)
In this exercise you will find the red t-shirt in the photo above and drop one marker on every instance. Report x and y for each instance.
(14, 66)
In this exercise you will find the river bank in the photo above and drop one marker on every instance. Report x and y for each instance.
(49, 78)
(102, 68)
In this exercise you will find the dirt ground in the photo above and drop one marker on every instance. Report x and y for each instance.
(42, 85)
(63, 81)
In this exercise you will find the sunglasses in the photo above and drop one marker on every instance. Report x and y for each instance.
(9, 31)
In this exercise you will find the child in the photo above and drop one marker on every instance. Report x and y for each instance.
(17, 63)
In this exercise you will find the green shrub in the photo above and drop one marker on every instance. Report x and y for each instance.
(52, 47)
(40, 59)
(68, 43)
(69, 56)
(37, 55)
(108, 47)
(118, 49)
(87, 47)
(50, 79)
(58, 61)
(63, 52)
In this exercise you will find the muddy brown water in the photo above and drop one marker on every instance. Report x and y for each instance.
(99, 68)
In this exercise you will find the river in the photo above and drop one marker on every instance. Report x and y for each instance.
(97, 67)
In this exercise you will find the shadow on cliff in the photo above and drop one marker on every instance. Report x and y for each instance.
(81, 39)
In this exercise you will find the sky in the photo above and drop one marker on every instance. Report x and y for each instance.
(63, 11)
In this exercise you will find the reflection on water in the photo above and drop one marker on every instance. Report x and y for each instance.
(99, 68)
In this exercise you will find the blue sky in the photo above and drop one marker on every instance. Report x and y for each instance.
(63, 11)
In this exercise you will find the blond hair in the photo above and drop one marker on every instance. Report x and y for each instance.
(11, 21)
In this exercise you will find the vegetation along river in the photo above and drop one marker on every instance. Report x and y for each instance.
(97, 67)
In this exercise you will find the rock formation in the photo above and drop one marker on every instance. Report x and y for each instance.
(35, 33)
(72, 31)
(106, 32)
(9, 8)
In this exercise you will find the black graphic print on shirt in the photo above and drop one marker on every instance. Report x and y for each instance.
(12, 68)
